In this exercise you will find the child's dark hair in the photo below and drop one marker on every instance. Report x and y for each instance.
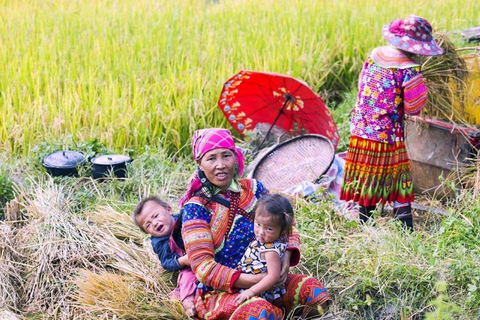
(280, 208)
(139, 207)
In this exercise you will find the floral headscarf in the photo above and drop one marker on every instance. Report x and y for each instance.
(203, 141)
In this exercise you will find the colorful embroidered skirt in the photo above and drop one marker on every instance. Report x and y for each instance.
(376, 172)
(300, 290)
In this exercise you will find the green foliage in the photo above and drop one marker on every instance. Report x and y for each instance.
(146, 72)
(458, 237)
(90, 147)
(444, 310)
(380, 271)
(342, 114)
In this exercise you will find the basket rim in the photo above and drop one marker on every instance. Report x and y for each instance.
(289, 141)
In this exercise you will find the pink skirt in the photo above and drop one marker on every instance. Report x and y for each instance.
(186, 285)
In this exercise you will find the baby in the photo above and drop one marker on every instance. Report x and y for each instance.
(154, 216)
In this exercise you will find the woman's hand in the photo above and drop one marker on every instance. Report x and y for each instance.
(244, 295)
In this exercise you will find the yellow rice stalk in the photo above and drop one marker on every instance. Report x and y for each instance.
(138, 262)
(445, 78)
(54, 242)
(9, 315)
(10, 271)
(123, 296)
(135, 257)
(57, 242)
(118, 224)
(468, 176)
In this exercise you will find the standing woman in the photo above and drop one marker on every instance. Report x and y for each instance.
(377, 168)
(217, 229)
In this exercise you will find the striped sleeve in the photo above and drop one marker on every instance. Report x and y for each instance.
(415, 94)
(293, 245)
(200, 249)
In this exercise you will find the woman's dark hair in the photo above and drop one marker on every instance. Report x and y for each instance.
(280, 208)
(139, 207)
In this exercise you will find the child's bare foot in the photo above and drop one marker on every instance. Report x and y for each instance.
(189, 305)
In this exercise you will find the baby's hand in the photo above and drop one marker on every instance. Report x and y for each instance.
(244, 295)
(183, 261)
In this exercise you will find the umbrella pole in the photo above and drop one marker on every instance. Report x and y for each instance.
(270, 129)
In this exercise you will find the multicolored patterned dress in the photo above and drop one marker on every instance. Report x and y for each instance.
(216, 238)
(377, 167)
(253, 263)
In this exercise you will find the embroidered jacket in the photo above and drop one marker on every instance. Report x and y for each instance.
(389, 86)
(215, 244)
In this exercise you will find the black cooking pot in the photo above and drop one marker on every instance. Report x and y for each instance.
(63, 163)
(104, 165)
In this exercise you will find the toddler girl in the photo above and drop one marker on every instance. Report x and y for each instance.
(272, 226)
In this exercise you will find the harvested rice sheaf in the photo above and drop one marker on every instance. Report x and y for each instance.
(119, 224)
(10, 271)
(123, 296)
(445, 78)
(57, 242)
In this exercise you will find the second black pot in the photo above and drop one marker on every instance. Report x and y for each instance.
(110, 164)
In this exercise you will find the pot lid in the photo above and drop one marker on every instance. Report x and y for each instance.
(111, 159)
(63, 159)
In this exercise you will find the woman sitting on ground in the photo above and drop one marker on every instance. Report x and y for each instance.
(217, 229)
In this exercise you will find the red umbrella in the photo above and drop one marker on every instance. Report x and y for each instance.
(252, 97)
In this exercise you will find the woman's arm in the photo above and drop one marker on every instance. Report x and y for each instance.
(286, 260)
(246, 280)
(200, 249)
(293, 247)
(273, 273)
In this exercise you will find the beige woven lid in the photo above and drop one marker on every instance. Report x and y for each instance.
(302, 158)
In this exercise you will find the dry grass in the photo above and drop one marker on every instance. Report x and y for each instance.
(10, 277)
(70, 265)
(445, 77)
(9, 315)
(118, 224)
(109, 293)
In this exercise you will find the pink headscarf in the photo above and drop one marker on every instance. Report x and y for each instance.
(203, 141)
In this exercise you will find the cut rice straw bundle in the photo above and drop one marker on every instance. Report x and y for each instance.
(140, 263)
(118, 224)
(124, 297)
(468, 176)
(9, 315)
(56, 243)
(445, 77)
(10, 270)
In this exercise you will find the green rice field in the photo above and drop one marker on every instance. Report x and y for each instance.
(145, 72)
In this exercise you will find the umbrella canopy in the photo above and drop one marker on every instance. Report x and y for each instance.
(252, 97)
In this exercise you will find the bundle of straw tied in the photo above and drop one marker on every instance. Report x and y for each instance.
(56, 263)
(446, 77)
